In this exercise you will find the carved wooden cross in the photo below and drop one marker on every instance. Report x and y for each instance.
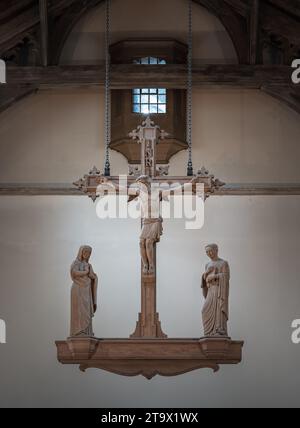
(148, 325)
(148, 135)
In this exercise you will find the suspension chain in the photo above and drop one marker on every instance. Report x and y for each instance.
(190, 90)
(107, 125)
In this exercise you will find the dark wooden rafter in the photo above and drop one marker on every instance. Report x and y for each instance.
(254, 31)
(25, 19)
(241, 7)
(126, 76)
(280, 30)
(10, 11)
(43, 8)
(292, 7)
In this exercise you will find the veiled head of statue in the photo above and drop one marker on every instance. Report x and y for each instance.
(84, 253)
(212, 250)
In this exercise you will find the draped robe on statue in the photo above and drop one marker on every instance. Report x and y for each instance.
(83, 297)
(215, 311)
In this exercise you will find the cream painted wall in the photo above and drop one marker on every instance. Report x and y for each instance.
(39, 237)
(130, 18)
(242, 136)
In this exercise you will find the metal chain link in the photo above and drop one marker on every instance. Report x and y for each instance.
(107, 126)
(190, 89)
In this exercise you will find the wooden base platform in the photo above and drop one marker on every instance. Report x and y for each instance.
(149, 357)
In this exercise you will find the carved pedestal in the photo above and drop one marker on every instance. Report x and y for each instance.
(149, 357)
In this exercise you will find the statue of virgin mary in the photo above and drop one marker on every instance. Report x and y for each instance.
(215, 285)
(83, 294)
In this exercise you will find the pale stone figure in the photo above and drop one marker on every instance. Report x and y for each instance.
(215, 285)
(83, 294)
(152, 228)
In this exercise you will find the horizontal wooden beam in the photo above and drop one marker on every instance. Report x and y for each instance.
(167, 76)
(244, 189)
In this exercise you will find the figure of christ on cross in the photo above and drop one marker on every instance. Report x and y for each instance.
(150, 197)
(152, 228)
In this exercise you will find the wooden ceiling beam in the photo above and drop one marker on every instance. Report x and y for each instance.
(292, 7)
(254, 31)
(167, 76)
(273, 80)
(43, 8)
(14, 9)
(240, 7)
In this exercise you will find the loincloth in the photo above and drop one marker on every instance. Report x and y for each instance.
(152, 229)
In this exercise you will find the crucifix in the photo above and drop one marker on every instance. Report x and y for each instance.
(148, 135)
(148, 351)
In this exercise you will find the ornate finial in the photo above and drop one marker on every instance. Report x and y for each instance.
(203, 172)
(148, 131)
(95, 171)
(148, 123)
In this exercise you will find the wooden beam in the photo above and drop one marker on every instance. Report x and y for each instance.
(167, 76)
(254, 31)
(14, 30)
(291, 7)
(14, 9)
(244, 189)
(240, 7)
(282, 25)
(273, 80)
(43, 7)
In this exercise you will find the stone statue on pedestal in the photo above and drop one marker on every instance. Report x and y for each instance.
(215, 286)
(83, 294)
